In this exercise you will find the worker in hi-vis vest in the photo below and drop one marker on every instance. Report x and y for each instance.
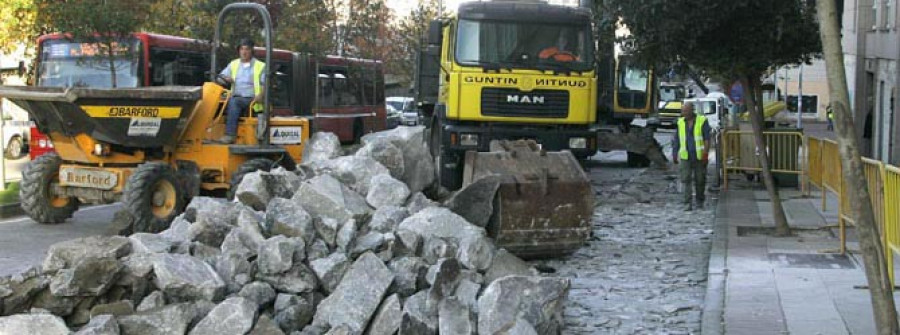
(690, 150)
(247, 77)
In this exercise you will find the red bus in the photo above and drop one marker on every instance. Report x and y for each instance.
(340, 95)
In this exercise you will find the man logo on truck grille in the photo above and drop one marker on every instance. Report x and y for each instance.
(525, 99)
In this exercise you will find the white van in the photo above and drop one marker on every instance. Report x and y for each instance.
(714, 109)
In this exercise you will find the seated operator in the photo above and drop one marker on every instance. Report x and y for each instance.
(558, 52)
(247, 77)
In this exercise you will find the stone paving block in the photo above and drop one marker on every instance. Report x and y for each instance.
(818, 327)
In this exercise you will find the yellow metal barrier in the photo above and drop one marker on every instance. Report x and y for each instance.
(891, 206)
(786, 151)
(814, 162)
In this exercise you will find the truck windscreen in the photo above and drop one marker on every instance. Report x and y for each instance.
(64, 63)
(523, 45)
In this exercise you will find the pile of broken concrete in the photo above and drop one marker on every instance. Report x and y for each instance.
(345, 245)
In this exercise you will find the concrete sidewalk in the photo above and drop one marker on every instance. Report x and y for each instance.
(759, 284)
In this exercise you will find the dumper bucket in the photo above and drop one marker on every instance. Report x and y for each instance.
(139, 118)
(545, 201)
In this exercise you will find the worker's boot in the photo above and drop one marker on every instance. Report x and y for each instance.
(227, 139)
(687, 206)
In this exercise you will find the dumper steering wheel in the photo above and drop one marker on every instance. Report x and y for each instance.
(222, 80)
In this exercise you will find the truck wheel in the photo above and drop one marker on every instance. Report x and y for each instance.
(637, 160)
(37, 200)
(153, 197)
(251, 165)
(15, 148)
(358, 130)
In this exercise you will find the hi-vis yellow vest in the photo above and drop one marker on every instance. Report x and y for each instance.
(699, 145)
(258, 68)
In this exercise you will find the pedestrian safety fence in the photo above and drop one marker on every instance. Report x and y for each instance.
(816, 161)
(741, 154)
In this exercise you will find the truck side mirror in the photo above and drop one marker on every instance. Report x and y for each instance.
(435, 32)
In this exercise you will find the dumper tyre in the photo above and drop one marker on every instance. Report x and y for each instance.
(637, 160)
(153, 196)
(34, 191)
(251, 165)
(447, 177)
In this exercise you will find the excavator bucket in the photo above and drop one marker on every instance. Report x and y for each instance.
(545, 202)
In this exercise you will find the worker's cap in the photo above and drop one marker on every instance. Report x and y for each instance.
(246, 42)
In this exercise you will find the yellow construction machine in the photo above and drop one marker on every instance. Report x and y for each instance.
(149, 147)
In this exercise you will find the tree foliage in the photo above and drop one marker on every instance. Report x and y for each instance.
(18, 24)
(409, 37)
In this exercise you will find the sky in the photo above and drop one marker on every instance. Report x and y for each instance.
(403, 7)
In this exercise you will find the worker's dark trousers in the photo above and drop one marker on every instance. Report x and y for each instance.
(693, 174)
(236, 106)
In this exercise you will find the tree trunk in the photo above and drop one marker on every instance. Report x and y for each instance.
(755, 110)
(880, 285)
(111, 56)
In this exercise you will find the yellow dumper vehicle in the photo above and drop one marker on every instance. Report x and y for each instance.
(148, 147)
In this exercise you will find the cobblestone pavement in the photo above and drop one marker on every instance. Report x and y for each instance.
(644, 270)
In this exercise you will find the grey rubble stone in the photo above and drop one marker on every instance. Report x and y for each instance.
(409, 275)
(249, 223)
(44, 324)
(66, 254)
(317, 250)
(232, 316)
(325, 197)
(475, 202)
(321, 146)
(123, 307)
(386, 153)
(417, 319)
(312, 329)
(20, 289)
(284, 181)
(475, 250)
(167, 320)
(386, 191)
(89, 277)
(138, 265)
(288, 218)
(330, 270)
(150, 243)
(211, 233)
(341, 330)
(418, 202)
(153, 300)
(358, 295)
(276, 255)
(372, 241)
(346, 236)
(292, 313)
(100, 325)
(298, 279)
(522, 327)
(186, 278)
(266, 326)
(234, 270)
(234, 244)
(204, 252)
(59, 306)
(455, 317)
(435, 248)
(260, 293)
(179, 230)
(387, 218)
(536, 299)
(354, 171)
(386, 320)
(410, 241)
(253, 191)
(418, 164)
(328, 229)
(467, 293)
(81, 314)
(444, 277)
(212, 210)
(506, 264)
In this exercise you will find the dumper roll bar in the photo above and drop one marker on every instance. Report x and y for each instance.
(262, 129)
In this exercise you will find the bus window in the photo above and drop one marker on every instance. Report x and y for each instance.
(281, 91)
(65, 63)
(345, 92)
(326, 91)
(171, 67)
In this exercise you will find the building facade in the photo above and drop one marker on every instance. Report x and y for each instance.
(871, 45)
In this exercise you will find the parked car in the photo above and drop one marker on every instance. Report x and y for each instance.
(713, 109)
(395, 108)
(410, 115)
(15, 131)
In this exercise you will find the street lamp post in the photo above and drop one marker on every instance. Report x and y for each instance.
(800, 99)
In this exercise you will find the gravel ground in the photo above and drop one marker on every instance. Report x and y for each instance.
(644, 271)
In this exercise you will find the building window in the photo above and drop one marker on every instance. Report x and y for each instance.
(875, 12)
(891, 12)
(810, 104)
